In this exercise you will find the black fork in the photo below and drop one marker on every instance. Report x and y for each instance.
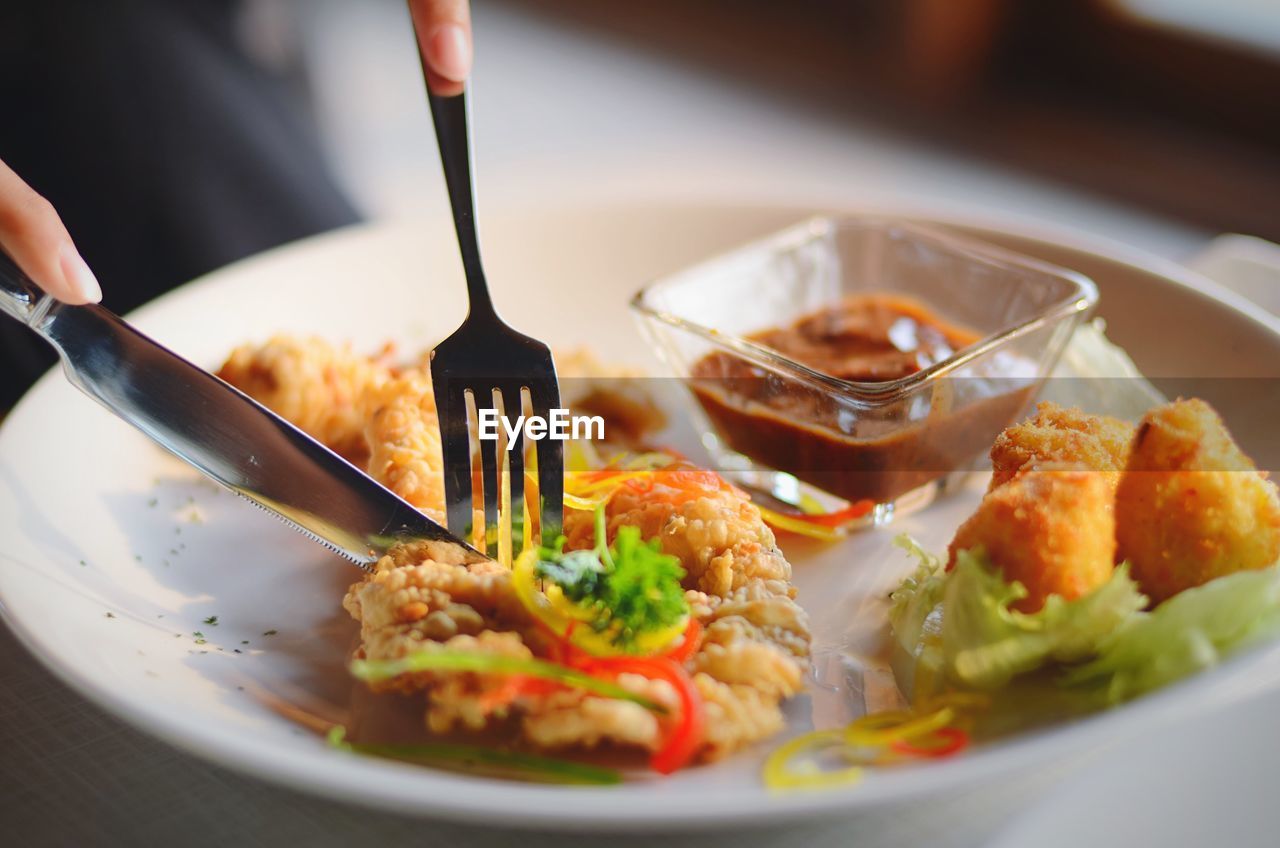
(490, 364)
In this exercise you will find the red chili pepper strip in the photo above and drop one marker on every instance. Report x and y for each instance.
(841, 516)
(950, 740)
(689, 643)
(686, 734)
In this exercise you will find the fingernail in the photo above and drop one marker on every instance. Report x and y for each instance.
(449, 52)
(78, 277)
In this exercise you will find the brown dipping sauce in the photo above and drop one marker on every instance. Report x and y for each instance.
(848, 445)
(869, 338)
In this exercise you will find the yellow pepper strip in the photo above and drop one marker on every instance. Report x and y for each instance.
(585, 504)
(585, 488)
(800, 527)
(879, 729)
(658, 641)
(601, 644)
(810, 505)
(557, 612)
(566, 607)
(504, 510)
(781, 774)
(524, 581)
(878, 739)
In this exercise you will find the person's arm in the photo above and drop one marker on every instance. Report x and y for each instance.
(444, 33)
(33, 235)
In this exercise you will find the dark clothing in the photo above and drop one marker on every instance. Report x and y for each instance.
(167, 151)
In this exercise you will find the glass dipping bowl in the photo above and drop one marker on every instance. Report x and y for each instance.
(887, 443)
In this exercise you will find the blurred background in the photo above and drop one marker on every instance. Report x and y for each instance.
(177, 137)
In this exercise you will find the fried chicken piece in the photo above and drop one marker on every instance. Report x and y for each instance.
(1053, 529)
(753, 654)
(1191, 506)
(1058, 434)
(403, 437)
(314, 385)
(756, 612)
(573, 720)
(736, 714)
(466, 700)
(718, 535)
(431, 590)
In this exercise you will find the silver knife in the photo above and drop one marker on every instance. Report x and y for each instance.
(217, 429)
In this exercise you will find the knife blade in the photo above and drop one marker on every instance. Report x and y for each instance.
(219, 430)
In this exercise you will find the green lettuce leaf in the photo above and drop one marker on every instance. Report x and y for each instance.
(960, 627)
(913, 606)
(1191, 631)
(915, 618)
(985, 643)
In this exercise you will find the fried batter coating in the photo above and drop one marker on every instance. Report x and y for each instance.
(1058, 434)
(753, 654)
(431, 590)
(736, 715)
(403, 437)
(437, 596)
(1052, 529)
(720, 537)
(1191, 506)
(574, 720)
(314, 385)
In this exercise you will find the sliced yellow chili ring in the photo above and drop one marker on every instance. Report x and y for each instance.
(799, 526)
(781, 774)
(810, 505)
(880, 729)
(586, 504)
(524, 581)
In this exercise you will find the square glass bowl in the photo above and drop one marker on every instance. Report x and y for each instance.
(885, 442)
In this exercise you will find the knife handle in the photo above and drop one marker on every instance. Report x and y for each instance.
(22, 298)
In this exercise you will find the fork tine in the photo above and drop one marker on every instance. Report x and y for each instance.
(513, 404)
(545, 395)
(455, 449)
(489, 476)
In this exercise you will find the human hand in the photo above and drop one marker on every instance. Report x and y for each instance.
(33, 235)
(443, 28)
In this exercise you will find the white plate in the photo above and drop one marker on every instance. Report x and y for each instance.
(162, 551)
(1215, 776)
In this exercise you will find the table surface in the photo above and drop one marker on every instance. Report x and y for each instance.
(559, 119)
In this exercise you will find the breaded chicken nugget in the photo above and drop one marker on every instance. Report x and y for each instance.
(1058, 434)
(311, 383)
(1191, 506)
(1052, 529)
